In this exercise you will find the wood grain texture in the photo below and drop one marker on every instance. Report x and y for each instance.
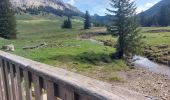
(10, 94)
(27, 86)
(13, 83)
(66, 94)
(4, 84)
(19, 84)
(1, 84)
(1, 88)
(50, 90)
(38, 88)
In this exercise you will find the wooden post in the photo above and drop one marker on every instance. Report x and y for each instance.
(65, 94)
(38, 88)
(50, 90)
(19, 84)
(8, 79)
(13, 83)
(27, 85)
(4, 84)
(1, 88)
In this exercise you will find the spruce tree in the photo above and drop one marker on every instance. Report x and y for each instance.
(67, 23)
(125, 25)
(87, 23)
(7, 20)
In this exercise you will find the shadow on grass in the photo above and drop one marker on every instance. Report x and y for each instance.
(86, 57)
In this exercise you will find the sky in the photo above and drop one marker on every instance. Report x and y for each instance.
(99, 6)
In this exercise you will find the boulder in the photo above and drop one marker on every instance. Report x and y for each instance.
(9, 47)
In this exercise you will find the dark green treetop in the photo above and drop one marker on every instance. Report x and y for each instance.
(125, 26)
(87, 23)
(7, 20)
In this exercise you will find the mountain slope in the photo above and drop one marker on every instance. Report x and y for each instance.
(158, 15)
(101, 20)
(57, 7)
(156, 8)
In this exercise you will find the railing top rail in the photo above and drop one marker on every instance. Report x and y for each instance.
(80, 84)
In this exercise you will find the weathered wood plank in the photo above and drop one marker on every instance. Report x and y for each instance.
(19, 84)
(27, 86)
(4, 84)
(13, 85)
(38, 88)
(65, 94)
(50, 90)
(8, 79)
(1, 92)
(15, 82)
(1, 88)
(84, 98)
(3, 95)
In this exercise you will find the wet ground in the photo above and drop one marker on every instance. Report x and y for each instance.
(142, 62)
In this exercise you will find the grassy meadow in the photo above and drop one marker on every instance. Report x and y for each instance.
(156, 43)
(66, 50)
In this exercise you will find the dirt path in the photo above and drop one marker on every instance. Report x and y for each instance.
(145, 82)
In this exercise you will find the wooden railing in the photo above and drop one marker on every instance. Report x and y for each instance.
(23, 79)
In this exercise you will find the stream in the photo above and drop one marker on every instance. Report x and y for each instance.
(142, 62)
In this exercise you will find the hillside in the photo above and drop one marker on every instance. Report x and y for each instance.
(101, 20)
(158, 15)
(56, 7)
(156, 8)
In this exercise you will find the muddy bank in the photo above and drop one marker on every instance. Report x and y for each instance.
(160, 53)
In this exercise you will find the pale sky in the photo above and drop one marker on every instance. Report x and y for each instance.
(99, 6)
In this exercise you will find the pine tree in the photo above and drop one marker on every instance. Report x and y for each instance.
(67, 23)
(7, 20)
(87, 23)
(125, 24)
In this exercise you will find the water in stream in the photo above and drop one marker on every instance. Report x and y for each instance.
(142, 62)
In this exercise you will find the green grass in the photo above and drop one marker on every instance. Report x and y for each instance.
(81, 56)
(67, 51)
(157, 38)
(151, 39)
(157, 43)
